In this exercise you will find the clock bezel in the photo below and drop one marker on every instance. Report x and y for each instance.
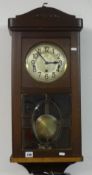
(55, 46)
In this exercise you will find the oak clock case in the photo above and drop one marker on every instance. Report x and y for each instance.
(46, 106)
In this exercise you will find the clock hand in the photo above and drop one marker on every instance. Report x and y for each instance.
(41, 56)
(46, 62)
(53, 62)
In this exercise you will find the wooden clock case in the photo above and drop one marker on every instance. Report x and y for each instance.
(46, 24)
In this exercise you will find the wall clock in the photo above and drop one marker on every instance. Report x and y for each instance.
(46, 106)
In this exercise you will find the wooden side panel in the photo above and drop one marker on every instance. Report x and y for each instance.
(76, 94)
(16, 86)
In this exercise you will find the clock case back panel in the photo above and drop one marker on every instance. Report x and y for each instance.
(53, 26)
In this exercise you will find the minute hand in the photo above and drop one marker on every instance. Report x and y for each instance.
(41, 56)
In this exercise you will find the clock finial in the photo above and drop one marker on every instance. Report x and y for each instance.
(44, 4)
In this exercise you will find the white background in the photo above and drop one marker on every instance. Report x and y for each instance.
(11, 8)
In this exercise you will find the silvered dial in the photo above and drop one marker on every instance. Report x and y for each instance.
(46, 62)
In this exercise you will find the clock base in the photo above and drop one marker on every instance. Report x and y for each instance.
(46, 169)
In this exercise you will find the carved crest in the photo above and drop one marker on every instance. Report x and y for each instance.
(45, 18)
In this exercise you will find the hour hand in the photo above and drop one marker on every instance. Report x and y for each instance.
(52, 62)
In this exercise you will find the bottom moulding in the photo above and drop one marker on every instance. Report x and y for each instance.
(46, 169)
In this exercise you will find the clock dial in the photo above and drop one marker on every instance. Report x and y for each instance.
(46, 62)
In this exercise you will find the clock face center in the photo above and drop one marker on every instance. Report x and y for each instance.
(46, 70)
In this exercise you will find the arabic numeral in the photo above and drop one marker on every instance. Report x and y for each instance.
(33, 62)
(39, 73)
(39, 50)
(53, 51)
(34, 68)
(58, 56)
(53, 74)
(35, 55)
(46, 49)
(58, 68)
(46, 76)
(60, 62)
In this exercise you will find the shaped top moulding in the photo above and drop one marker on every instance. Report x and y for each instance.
(45, 18)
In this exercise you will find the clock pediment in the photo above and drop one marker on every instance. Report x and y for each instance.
(45, 18)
